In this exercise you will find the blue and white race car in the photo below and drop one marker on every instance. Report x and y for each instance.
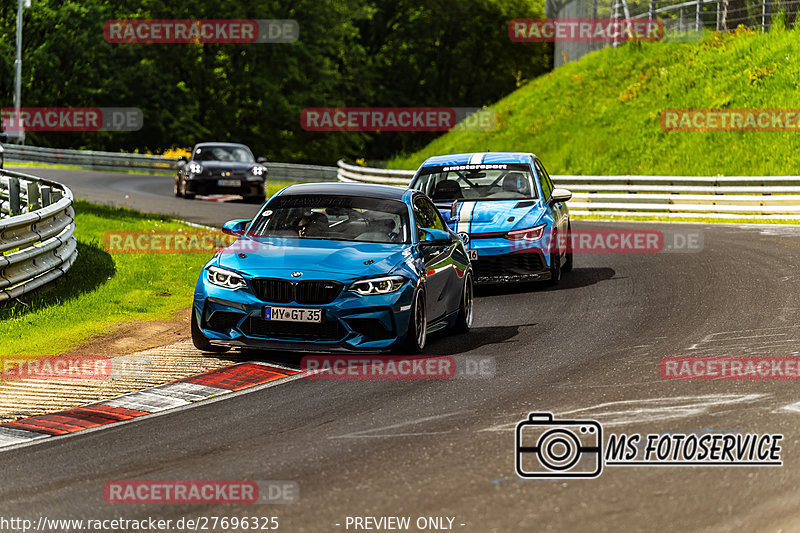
(506, 210)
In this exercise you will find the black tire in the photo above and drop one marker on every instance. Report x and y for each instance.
(555, 265)
(568, 261)
(201, 342)
(184, 194)
(178, 187)
(465, 312)
(416, 337)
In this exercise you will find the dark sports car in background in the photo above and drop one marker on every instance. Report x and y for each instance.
(221, 168)
(505, 208)
(335, 267)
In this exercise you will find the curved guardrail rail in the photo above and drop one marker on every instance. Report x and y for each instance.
(37, 226)
(719, 197)
(149, 163)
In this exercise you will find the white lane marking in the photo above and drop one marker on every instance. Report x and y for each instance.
(148, 401)
(648, 410)
(370, 433)
(476, 159)
(190, 392)
(792, 407)
(9, 436)
(215, 399)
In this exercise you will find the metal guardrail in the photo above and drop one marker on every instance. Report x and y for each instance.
(37, 223)
(149, 163)
(721, 197)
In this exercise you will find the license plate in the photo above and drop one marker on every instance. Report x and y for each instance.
(472, 254)
(292, 314)
(229, 183)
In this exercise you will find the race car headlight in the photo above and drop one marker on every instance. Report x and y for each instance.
(382, 285)
(258, 170)
(225, 278)
(195, 168)
(528, 234)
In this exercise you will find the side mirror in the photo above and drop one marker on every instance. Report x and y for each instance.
(235, 227)
(560, 195)
(261, 160)
(434, 236)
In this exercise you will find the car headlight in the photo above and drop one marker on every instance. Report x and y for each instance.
(382, 285)
(225, 278)
(528, 234)
(195, 168)
(258, 170)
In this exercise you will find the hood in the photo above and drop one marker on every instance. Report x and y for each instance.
(317, 259)
(216, 166)
(491, 216)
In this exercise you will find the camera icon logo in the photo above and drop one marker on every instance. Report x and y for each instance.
(556, 449)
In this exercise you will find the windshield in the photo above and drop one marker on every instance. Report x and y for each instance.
(338, 218)
(476, 182)
(223, 153)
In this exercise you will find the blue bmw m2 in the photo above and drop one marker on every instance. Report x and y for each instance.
(507, 212)
(335, 267)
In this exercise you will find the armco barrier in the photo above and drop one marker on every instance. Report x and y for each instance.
(148, 163)
(721, 197)
(37, 223)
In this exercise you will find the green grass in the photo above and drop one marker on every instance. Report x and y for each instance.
(101, 290)
(600, 115)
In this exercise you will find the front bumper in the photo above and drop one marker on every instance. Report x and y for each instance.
(203, 186)
(350, 323)
(503, 261)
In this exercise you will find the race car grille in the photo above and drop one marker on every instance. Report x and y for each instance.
(507, 265)
(273, 290)
(324, 331)
(316, 292)
(304, 292)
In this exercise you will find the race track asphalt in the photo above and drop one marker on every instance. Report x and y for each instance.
(589, 348)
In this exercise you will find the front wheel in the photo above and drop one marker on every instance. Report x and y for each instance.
(464, 319)
(200, 341)
(417, 333)
(555, 268)
(177, 188)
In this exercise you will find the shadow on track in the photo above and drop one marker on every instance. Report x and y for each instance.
(578, 278)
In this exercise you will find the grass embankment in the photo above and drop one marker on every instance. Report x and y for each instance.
(102, 290)
(601, 115)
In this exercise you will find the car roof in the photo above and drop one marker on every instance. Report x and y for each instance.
(369, 190)
(479, 158)
(236, 145)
